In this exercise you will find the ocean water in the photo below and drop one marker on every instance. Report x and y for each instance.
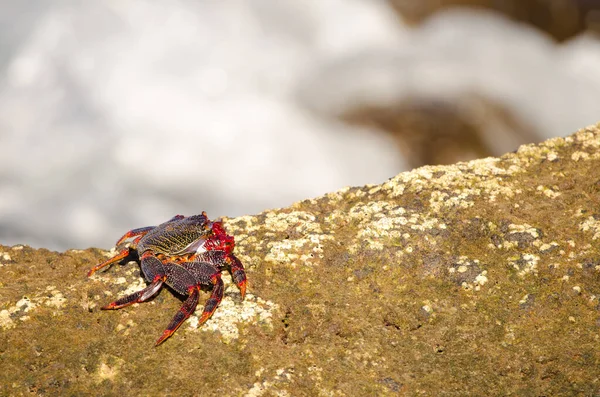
(115, 115)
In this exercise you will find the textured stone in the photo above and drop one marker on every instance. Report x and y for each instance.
(479, 278)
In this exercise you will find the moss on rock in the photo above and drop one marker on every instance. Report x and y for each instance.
(476, 278)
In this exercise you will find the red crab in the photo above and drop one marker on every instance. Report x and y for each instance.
(185, 253)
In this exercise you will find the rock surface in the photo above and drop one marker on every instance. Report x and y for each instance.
(471, 279)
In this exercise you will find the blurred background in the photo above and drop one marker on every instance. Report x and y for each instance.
(116, 115)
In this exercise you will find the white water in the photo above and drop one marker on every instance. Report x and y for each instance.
(116, 115)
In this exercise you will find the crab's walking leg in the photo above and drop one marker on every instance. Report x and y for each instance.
(135, 232)
(238, 274)
(141, 231)
(186, 310)
(121, 255)
(190, 305)
(153, 270)
(214, 300)
(125, 251)
(137, 297)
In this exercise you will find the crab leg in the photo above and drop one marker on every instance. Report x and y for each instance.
(141, 231)
(153, 271)
(121, 255)
(125, 251)
(214, 300)
(190, 305)
(186, 310)
(135, 232)
(237, 273)
(152, 268)
(137, 297)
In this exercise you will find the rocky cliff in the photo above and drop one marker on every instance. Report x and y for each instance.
(471, 279)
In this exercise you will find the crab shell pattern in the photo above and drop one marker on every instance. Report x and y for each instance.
(185, 253)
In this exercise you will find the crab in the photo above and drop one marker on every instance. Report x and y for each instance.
(184, 253)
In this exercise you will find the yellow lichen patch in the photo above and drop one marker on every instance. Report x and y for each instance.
(51, 297)
(441, 199)
(576, 156)
(284, 251)
(338, 195)
(591, 225)
(379, 220)
(5, 321)
(132, 278)
(242, 226)
(17, 311)
(524, 228)
(281, 377)
(4, 257)
(137, 282)
(373, 189)
(451, 186)
(481, 280)
(548, 192)
(545, 247)
(232, 311)
(56, 298)
(109, 369)
(315, 374)
(300, 221)
(469, 273)
(525, 264)
(393, 227)
(109, 254)
(126, 328)
(588, 139)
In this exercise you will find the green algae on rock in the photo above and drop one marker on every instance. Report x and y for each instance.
(470, 279)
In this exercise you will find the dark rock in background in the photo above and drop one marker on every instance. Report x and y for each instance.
(562, 19)
(430, 132)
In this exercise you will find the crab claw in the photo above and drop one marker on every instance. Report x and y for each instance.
(242, 287)
(237, 273)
